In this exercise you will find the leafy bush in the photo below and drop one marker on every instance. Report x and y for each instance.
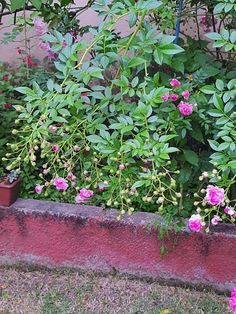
(131, 126)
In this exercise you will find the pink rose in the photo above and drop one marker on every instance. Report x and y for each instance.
(232, 303)
(86, 193)
(173, 97)
(195, 223)
(83, 195)
(38, 189)
(55, 148)
(40, 26)
(229, 211)
(185, 109)
(233, 292)
(60, 184)
(175, 83)
(44, 45)
(165, 97)
(214, 195)
(79, 199)
(186, 94)
(215, 220)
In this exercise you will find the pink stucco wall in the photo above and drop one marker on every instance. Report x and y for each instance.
(8, 52)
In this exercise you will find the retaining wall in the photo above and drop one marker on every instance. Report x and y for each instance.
(87, 238)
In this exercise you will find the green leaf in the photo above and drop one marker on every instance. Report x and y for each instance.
(17, 4)
(170, 49)
(214, 144)
(191, 157)
(208, 89)
(132, 19)
(219, 85)
(36, 3)
(158, 56)
(135, 62)
(95, 139)
(213, 36)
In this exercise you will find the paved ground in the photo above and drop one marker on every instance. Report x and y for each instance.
(50, 292)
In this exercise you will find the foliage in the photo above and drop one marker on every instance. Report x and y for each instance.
(131, 126)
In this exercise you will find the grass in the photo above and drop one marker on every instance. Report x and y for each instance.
(65, 292)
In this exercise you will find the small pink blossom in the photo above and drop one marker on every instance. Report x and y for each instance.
(186, 94)
(84, 94)
(102, 185)
(185, 109)
(51, 56)
(52, 128)
(214, 195)
(165, 97)
(60, 184)
(38, 189)
(173, 97)
(229, 211)
(121, 167)
(44, 45)
(215, 220)
(70, 175)
(195, 223)
(45, 171)
(83, 195)
(132, 191)
(40, 26)
(76, 148)
(175, 83)
(55, 148)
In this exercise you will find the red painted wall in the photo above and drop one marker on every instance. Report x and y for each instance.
(52, 234)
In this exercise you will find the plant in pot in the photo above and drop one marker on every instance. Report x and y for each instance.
(9, 188)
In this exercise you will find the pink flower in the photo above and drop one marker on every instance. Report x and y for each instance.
(79, 199)
(232, 303)
(195, 223)
(185, 109)
(186, 94)
(5, 78)
(38, 189)
(165, 97)
(85, 94)
(83, 195)
(215, 220)
(7, 105)
(44, 45)
(121, 167)
(175, 83)
(214, 195)
(60, 184)
(76, 148)
(51, 56)
(39, 26)
(173, 97)
(55, 148)
(52, 128)
(70, 175)
(229, 211)
(233, 292)
(45, 171)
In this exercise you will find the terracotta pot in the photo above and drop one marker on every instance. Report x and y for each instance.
(9, 192)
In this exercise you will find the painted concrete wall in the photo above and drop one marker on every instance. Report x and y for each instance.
(86, 237)
(8, 52)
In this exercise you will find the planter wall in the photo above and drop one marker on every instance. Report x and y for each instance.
(86, 238)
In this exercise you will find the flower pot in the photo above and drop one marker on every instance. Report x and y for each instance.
(9, 192)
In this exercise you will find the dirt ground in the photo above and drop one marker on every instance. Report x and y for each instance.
(69, 292)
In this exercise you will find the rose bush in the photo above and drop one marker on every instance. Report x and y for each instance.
(109, 129)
